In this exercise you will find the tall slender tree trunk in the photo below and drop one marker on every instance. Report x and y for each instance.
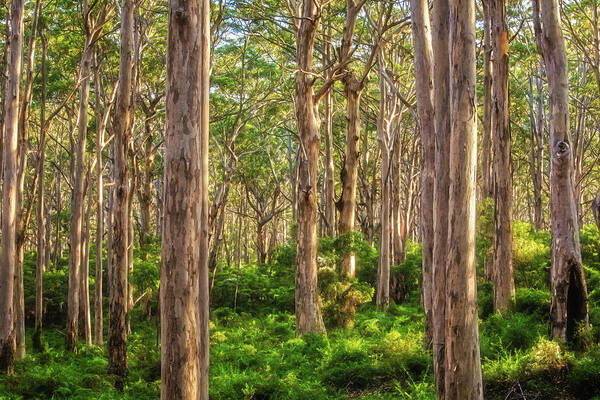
(463, 372)
(441, 96)
(487, 184)
(100, 126)
(502, 270)
(329, 201)
(424, 87)
(84, 292)
(122, 126)
(8, 254)
(76, 230)
(41, 234)
(569, 306)
(349, 173)
(184, 273)
(308, 309)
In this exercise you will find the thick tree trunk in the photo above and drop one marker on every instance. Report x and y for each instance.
(9, 193)
(122, 126)
(463, 373)
(75, 234)
(441, 87)
(502, 270)
(424, 87)
(184, 273)
(569, 306)
(308, 310)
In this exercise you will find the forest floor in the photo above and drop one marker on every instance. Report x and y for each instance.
(382, 357)
(256, 355)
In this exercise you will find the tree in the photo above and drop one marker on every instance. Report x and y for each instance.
(463, 365)
(122, 126)
(424, 85)
(569, 306)
(441, 105)
(502, 270)
(308, 310)
(184, 272)
(9, 192)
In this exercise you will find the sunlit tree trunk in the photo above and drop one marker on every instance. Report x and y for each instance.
(122, 127)
(9, 193)
(184, 273)
(569, 306)
(441, 96)
(502, 270)
(424, 87)
(41, 212)
(463, 372)
(308, 310)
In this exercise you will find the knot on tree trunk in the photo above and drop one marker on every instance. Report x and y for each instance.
(562, 149)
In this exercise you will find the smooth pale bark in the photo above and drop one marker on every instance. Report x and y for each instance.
(24, 213)
(536, 152)
(77, 198)
(487, 183)
(98, 318)
(84, 291)
(502, 270)
(8, 254)
(41, 234)
(424, 88)
(329, 200)
(441, 96)
(122, 125)
(463, 372)
(569, 305)
(349, 174)
(184, 274)
(385, 239)
(308, 309)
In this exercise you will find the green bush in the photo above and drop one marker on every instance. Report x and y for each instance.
(533, 302)
(351, 367)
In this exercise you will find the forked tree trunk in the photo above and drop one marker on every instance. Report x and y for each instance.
(122, 126)
(8, 256)
(441, 96)
(424, 88)
(502, 270)
(463, 373)
(184, 274)
(569, 306)
(308, 310)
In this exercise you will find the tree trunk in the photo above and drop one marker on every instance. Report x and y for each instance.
(9, 192)
(184, 273)
(100, 126)
(569, 306)
(463, 373)
(502, 270)
(487, 184)
(329, 200)
(41, 223)
(349, 173)
(308, 309)
(424, 87)
(76, 228)
(441, 87)
(596, 210)
(122, 126)
(84, 294)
